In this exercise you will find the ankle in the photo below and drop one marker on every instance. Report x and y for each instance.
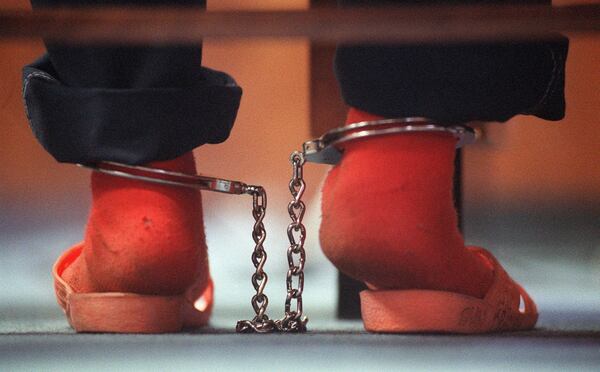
(142, 237)
(389, 219)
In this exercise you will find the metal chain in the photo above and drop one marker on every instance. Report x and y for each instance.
(261, 322)
(292, 320)
(296, 255)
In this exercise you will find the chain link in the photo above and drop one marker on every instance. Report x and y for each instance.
(296, 256)
(261, 322)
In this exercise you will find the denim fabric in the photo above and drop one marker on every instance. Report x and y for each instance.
(131, 104)
(133, 126)
(455, 83)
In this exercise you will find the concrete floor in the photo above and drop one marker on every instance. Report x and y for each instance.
(562, 275)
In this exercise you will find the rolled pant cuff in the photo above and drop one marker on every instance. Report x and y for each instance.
(132, 126)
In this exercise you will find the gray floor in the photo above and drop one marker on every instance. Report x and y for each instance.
(563, 341)
(558, 262)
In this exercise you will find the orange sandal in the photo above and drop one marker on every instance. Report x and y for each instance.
(120, 312)
(429, 311)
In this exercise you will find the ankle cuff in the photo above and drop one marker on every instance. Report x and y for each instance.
(327, 150)
(169, 178)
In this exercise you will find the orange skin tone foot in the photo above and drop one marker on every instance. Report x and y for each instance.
(142, 238)
(388, 217)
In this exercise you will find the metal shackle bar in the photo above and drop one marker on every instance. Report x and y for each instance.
(327, 149)
(165, 177)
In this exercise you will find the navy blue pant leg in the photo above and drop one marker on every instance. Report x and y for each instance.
(455, 83)
(130, 104)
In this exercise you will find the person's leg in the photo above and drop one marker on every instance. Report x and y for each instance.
(388, 214)
(454, 83)
(135, 105)
(132, 104)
